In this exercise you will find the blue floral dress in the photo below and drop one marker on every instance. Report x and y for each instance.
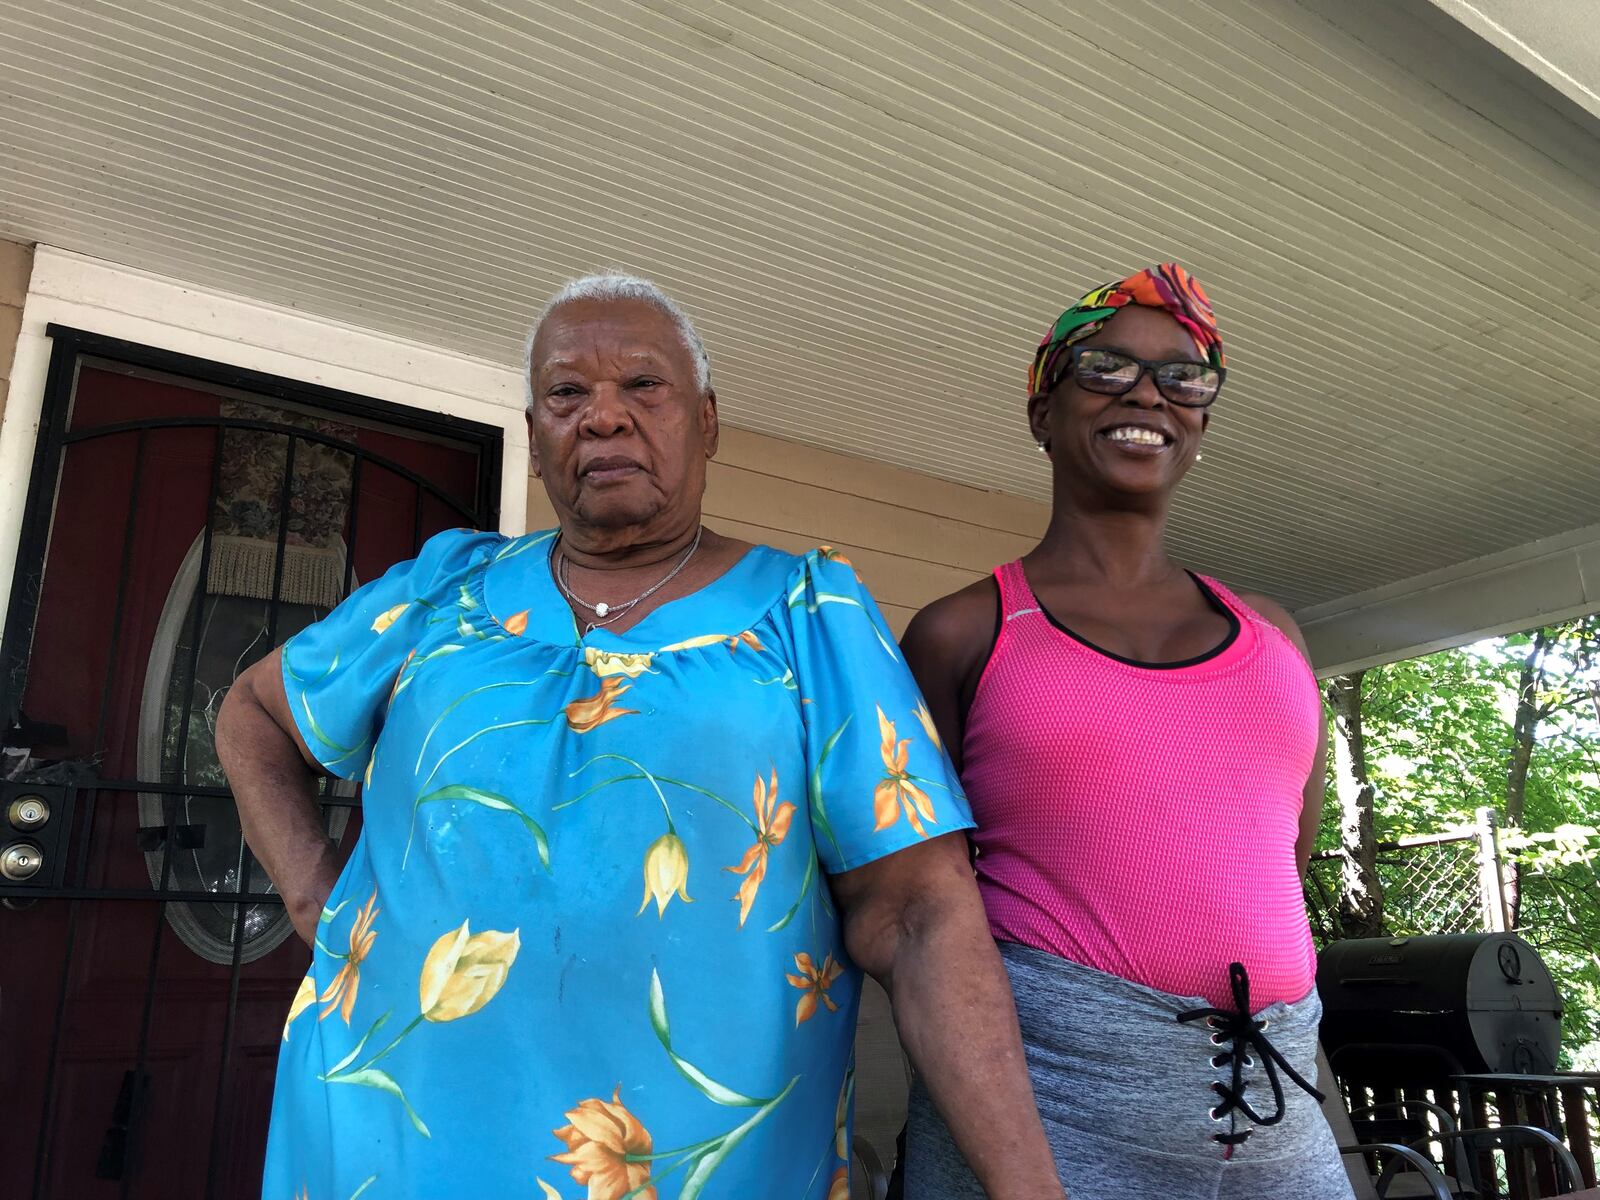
(585, 946)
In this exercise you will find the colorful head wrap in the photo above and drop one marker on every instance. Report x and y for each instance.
(1166, 286)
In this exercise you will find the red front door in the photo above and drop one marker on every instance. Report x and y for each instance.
(145, 965)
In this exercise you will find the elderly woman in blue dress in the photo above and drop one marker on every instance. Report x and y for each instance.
(640, 803)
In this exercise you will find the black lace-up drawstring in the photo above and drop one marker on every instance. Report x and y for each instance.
(1246, 1033)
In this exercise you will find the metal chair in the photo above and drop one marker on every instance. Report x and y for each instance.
(1429, 1179)
(1500, 1138)
(1460, 1176)
(1462, 1146)
(1432, 1185)
(871, 1163)
(1430, 1182)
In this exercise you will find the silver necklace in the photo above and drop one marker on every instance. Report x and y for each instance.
(614, 612)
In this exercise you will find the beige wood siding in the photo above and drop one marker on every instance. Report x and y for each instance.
(914, 538)
(16, 261)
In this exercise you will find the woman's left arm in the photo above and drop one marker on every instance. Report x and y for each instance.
(1317, 783)
(913, 920)
(1311, 806)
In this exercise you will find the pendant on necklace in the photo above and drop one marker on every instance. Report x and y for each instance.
(601, 609)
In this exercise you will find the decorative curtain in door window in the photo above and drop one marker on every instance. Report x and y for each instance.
(244, 543)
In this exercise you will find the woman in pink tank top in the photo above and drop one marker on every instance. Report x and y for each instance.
(1143, 750)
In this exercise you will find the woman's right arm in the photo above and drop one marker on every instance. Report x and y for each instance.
(274, 778)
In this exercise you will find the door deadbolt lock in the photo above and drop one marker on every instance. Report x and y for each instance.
(20, 861)
(28, 812)
(35, 829)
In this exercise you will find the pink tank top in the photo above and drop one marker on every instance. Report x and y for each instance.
(1138, 819)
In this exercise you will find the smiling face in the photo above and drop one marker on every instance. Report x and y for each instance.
(618, 427)
(1138, 444)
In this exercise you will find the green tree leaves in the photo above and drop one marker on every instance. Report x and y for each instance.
(1441, 740)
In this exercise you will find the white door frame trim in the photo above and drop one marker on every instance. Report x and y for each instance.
(101, 297)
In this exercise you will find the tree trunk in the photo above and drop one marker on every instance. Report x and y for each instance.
(1588, 659)
(1361, 894)
(1524, 729)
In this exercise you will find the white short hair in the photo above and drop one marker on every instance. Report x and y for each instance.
(618, 285)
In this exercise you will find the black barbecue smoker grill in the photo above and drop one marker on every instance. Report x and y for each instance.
(1412, 1012)
(1457, 1016)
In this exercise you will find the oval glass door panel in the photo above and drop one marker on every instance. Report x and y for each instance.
(193, 843)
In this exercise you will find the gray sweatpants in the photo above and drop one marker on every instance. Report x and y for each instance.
(1126, 1096)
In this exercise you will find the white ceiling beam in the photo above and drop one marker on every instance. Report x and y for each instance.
(1538, 583)
(1555, 39)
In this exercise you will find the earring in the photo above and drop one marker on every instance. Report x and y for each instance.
(1198, 457)
(1042, 447)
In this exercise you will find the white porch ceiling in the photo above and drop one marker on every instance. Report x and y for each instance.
(873, 209)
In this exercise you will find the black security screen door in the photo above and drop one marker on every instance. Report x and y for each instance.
(183, 519)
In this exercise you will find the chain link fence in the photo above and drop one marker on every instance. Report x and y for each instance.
(1443, 883)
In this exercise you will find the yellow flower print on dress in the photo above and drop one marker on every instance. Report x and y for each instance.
(401, 677)
(925, 719)
(304, 998)
(666, 870)
(464, 971)
(733, 642)
(341, 993)
(772, 826)
(897, 791)
(516, 624)
(594, 711)
(606, 663)
(839, 1189)
(814, 981)
(611, 1152)
(388, 617)
(829, 554)
(605, 1145)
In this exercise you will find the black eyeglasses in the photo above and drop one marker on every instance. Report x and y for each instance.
(1110, 373)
